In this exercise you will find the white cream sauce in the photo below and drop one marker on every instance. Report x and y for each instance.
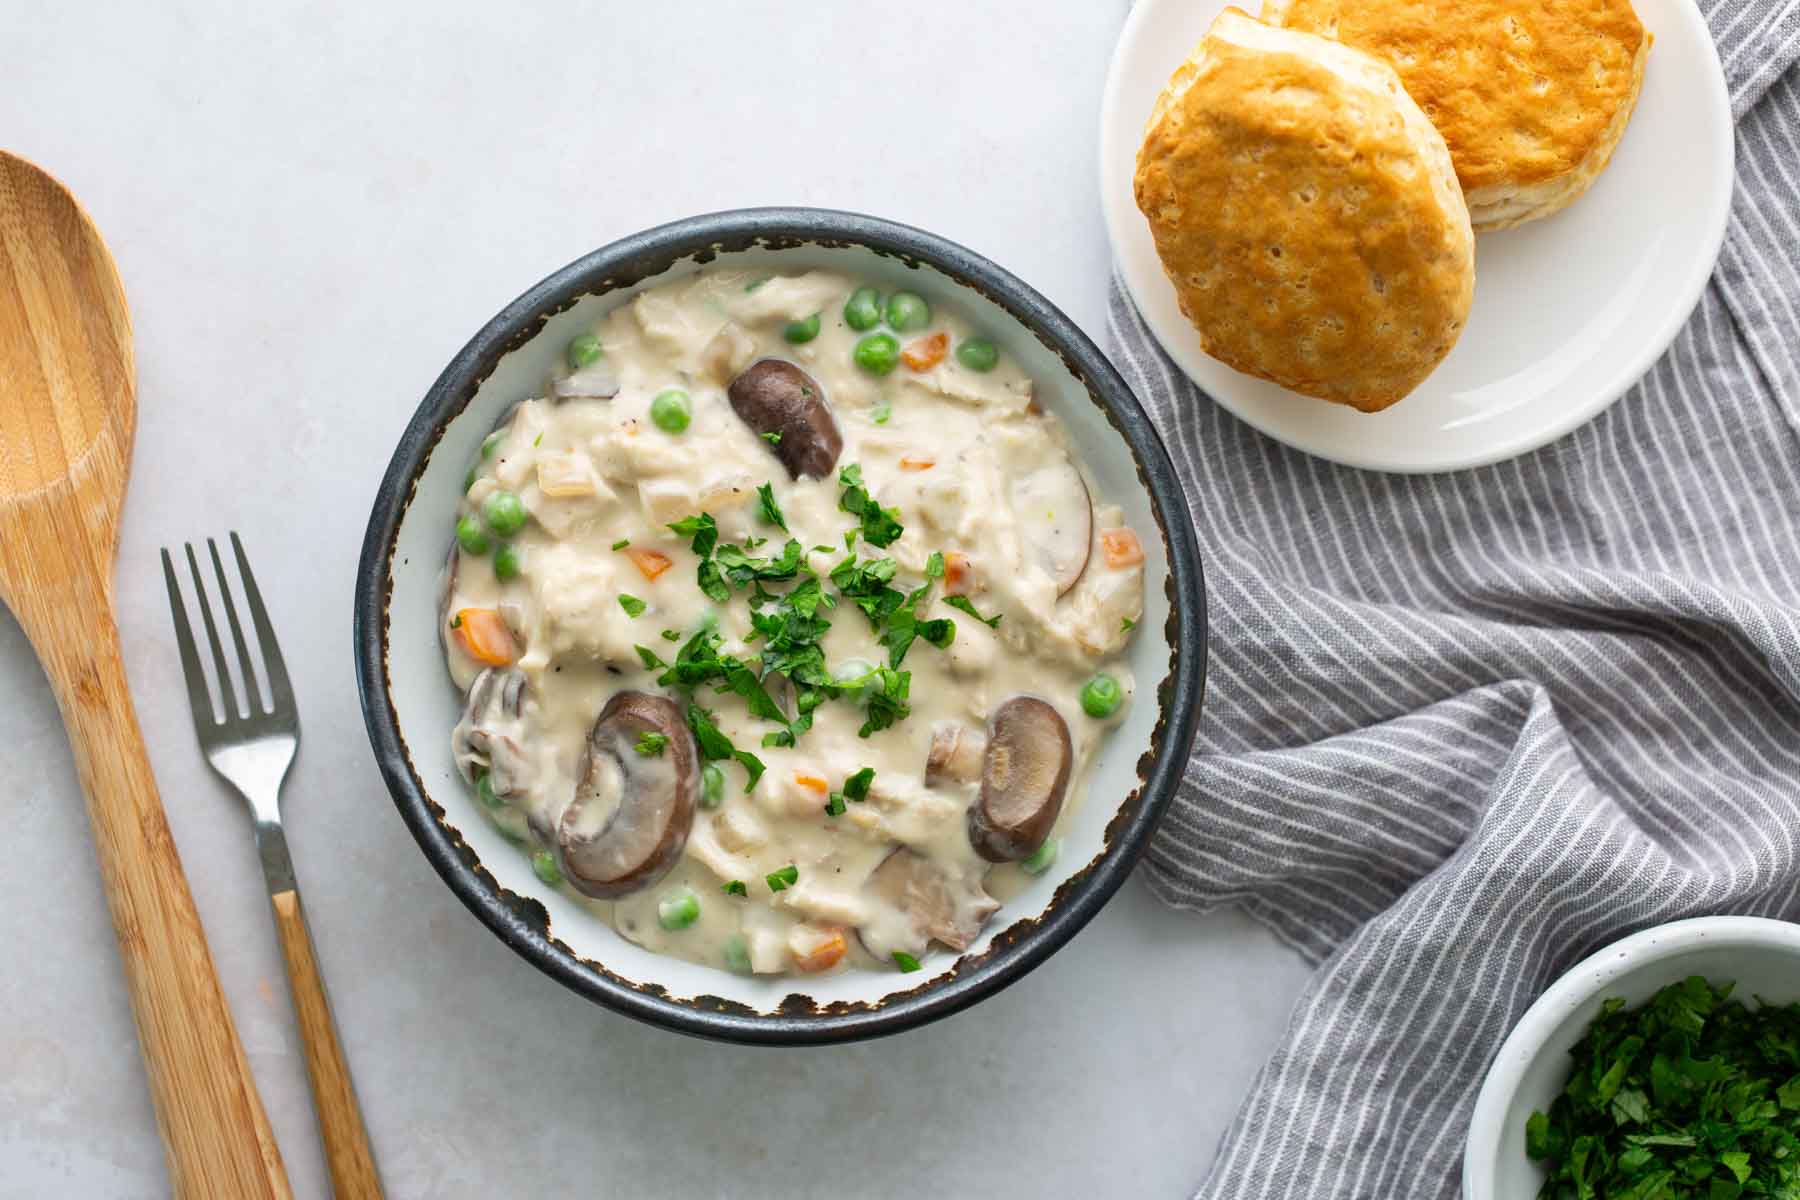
(962, 455)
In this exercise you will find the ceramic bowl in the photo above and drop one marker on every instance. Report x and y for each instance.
(1761, 956)
(410, 705)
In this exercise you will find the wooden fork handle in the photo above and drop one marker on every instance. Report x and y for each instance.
(215, 1134)
(347, 1153)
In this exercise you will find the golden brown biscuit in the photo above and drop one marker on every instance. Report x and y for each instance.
(1307, 213)
(1530, 95)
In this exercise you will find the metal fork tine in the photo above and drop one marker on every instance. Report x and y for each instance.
(227, 696)
(198, 699)
(281, 693)
(252, 697)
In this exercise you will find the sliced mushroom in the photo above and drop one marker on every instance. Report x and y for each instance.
(1023, 777)
(774, 396)
(955, 755)
(632, 811)
(488, 736)
(1056, 520)
(596, 382)
(922, 902)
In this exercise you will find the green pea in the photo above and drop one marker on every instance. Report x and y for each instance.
(584, 351)
(506, 562)
(491, 443)
(712, 786)
(470, 537)
(678, 910)
(907, 312)
(1042, 857)
(862, 312)
(484, 790)
(670, 410)
(977, 354)
(1101, 696)
(504, 513)
(853, 676)
(544, 863)
(798, 333)
(737, 954)
(877, 353)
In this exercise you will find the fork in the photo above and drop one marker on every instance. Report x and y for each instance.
(253, 749)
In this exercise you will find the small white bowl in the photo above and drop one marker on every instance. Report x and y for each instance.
(1760, 956)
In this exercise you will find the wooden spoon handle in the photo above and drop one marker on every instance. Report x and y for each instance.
(347, 1152)
(215, 1133)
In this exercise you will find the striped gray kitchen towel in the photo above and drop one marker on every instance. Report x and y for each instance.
(1463, 730)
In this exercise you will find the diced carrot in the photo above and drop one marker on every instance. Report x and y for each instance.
(811, 782)
(1121, 547)
(650, 562)
(485, 636)
(917, 464)
(924, 353)
(825, 954)
(957, 574)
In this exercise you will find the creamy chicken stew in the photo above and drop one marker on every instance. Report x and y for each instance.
(788, 624)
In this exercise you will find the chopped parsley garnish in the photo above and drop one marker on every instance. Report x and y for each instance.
(773, 437)
(904, 626)
(964, 604)
(716, 746)
(621, 543)
(905, 961)
(456, 621)
(648, 657)
(767, 509)
(887, 692)
(1689, 1094)
(866, 582)
(893, 612)
(671, 635)
(712, 582)
(856, 788)
(1126, 624)
(742, 568)
(880, 526)
(780, 881)
(632, 605)
(757, 282)
(883, 411)
(651, 744)
(699, 661)
(702, 528)
(934, 566)
(735, 888)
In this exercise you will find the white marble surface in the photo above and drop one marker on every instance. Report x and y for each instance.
(312, 209)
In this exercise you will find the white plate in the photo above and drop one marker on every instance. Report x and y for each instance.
(1569, 311)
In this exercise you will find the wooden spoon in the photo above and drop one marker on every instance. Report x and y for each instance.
(67, 416)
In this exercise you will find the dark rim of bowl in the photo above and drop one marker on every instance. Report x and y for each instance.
(1022, 946)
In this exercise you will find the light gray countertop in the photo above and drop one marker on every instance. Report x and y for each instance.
(312, 210)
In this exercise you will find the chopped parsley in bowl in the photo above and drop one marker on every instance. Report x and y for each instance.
(1661, 1066)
